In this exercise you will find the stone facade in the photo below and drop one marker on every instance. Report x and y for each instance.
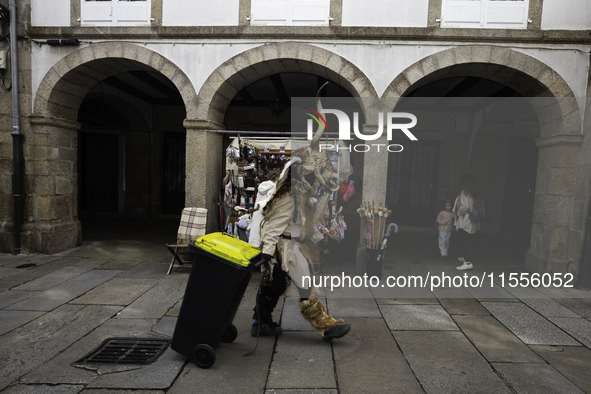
(51, 97)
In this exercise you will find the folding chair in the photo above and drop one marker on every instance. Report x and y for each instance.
(192, 226)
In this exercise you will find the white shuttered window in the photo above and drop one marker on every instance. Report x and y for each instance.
(115, 12)
(492, 14)
(290, 12)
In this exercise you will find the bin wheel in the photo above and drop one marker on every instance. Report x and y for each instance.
(203, 356)
(230, 334)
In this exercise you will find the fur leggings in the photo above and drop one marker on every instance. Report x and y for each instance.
(274, 285)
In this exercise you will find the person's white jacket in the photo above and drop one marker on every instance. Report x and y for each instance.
(463, 206)
(264, 192)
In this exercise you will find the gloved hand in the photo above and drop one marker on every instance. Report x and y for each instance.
(264, 259)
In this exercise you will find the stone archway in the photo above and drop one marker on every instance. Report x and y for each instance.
(51, 168)
(235, 74)
(553, 248)
(250, 66)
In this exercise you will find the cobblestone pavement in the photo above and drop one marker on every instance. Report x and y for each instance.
(54, 309)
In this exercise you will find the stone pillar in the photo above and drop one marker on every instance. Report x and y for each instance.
(554, 204)
(51, 187)
(375, 177)
(203, 168)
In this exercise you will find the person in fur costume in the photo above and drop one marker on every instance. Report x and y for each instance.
(291, 239)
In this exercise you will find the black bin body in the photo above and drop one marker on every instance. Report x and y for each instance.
(212, 296)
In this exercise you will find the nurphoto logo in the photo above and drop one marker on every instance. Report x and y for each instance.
(345, 129)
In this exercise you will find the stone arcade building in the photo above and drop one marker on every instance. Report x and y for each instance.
(107, 124)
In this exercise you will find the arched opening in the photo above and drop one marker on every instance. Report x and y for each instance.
(267, 106)
(131, 156)
(475, 125)
(112, 114)
(480, 125)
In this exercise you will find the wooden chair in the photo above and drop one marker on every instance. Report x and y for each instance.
(192, 226)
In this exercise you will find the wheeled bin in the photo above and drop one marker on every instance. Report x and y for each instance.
(222, 267)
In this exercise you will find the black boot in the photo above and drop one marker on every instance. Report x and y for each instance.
(338, 331)
(260, 329)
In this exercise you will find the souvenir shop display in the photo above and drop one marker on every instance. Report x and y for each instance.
(248, 163)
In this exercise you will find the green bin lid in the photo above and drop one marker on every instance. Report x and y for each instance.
(228, 247)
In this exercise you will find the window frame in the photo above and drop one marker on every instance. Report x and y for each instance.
(115, 13)
(485, 9)
(295, 11)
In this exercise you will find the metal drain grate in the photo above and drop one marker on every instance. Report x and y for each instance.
(127, 351)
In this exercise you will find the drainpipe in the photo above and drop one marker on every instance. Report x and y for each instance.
(17, 137)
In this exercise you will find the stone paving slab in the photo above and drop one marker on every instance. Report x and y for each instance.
(547, 307)
(10, 297)
(302, 360)
(291, 317)
(348, 292)
(158, 375)
(120, 265)
(66, 324)
(61, 369)
(572, 362)
(577, 327)
(45, 265)
(446, 362)
(155, 302)
(463, 306)
(174, 311)
(368, 360)
(7, 272)
(525, 292)
(111, 250)
(352, 307)
(580, 306)
(308, 391)
(417, 317)
(43, 389)
(402, 293)
(93, 263)
(527, 325)
(65, 292)
(117, 291)
(9, 320)
(249, 299)
(494, 341)
(100, 391)
(565, 292)
(12, 261)
(535, 379)
(231, 373)
(54, 278)
(495, 293)
(147, 271)
(6, 258)
(407, 301)
(451, 292)
(165, 326)
(6, 284)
